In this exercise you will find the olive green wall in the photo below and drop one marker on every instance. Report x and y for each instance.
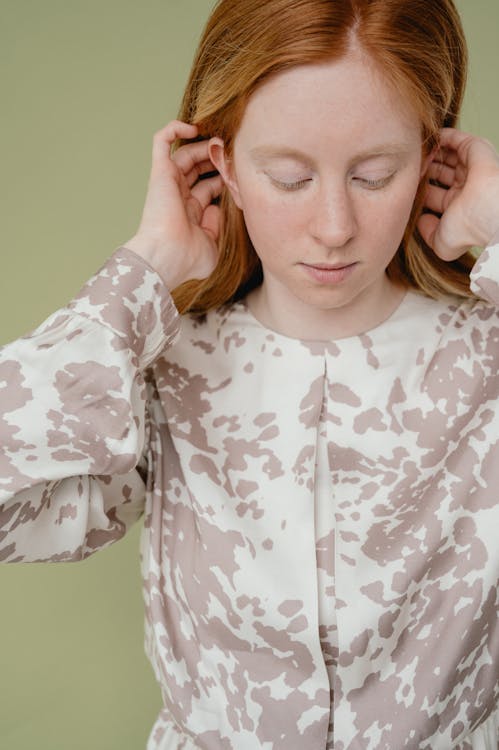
(85, 83)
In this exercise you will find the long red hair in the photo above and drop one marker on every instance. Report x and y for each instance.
(420, 47)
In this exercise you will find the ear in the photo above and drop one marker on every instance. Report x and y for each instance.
(225, 167)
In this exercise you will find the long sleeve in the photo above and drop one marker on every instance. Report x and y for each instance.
(73, 415)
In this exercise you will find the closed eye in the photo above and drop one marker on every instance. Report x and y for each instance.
(294, 185)
(375, 184)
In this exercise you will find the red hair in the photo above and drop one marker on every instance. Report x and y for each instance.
(418, 45)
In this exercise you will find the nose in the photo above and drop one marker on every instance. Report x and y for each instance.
(333, 221)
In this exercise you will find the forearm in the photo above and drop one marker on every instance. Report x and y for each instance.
(73, 414)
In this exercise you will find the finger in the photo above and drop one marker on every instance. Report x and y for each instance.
(454, 139)
(177, 129)
(211, 221)
(427, 226)
(164, 139)
(194, 211)
(188, 157)
(206, 190)
(441, 173)
(468, 146)
(446, 156)
(447, 248)
(435, 198)
(205, 167)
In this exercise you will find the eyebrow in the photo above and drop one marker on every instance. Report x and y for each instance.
(276, 152)
(385, 149)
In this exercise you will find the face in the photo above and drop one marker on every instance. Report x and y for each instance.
(325, 167)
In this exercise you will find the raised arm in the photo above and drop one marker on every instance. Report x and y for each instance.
(73, 419)
(73, 400)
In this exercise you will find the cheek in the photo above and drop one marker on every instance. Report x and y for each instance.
(267, 218)
(398, 209)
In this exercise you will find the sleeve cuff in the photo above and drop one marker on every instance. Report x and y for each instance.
(129, 297)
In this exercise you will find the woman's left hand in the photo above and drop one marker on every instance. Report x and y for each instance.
(467, 168)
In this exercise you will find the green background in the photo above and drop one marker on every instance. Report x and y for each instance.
(85, 84)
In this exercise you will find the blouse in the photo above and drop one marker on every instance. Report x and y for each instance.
(319, 552)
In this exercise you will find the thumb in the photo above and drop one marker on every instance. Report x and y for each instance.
(428, 227)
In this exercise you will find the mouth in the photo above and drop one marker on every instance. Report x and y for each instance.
(328, 273)
(328, 266)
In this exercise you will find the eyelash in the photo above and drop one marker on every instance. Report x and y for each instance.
(375, 184)
(289, 185)
(370, 184)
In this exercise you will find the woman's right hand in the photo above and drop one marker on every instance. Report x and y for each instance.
(179, 228)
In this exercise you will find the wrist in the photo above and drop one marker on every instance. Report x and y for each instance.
(158, 259)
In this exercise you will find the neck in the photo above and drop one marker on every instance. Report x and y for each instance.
(275, 308)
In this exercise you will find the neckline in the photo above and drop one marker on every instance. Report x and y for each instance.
(376, 331)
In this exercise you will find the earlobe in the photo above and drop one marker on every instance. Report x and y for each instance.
(224, 165)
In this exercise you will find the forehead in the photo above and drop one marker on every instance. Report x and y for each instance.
(347, 103)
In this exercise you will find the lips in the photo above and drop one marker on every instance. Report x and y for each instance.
(328, 273)
(328, 266)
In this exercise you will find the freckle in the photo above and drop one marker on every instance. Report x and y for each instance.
(284, 524)
(31, 458)
(249, 367)
(268, 544)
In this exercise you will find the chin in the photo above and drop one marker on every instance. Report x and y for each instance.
(328, 299)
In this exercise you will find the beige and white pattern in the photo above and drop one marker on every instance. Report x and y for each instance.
(320, 551)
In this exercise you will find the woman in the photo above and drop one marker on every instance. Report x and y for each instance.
(315, 439)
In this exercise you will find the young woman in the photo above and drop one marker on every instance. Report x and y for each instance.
(314, 442)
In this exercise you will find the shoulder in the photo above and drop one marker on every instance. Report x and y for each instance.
(456, 353)
(454, 316)
(469, 328)
(212, 329)
(213, 340)
(462, 316)
(477, 318)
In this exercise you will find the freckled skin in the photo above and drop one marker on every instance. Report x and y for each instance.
(345, 198)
